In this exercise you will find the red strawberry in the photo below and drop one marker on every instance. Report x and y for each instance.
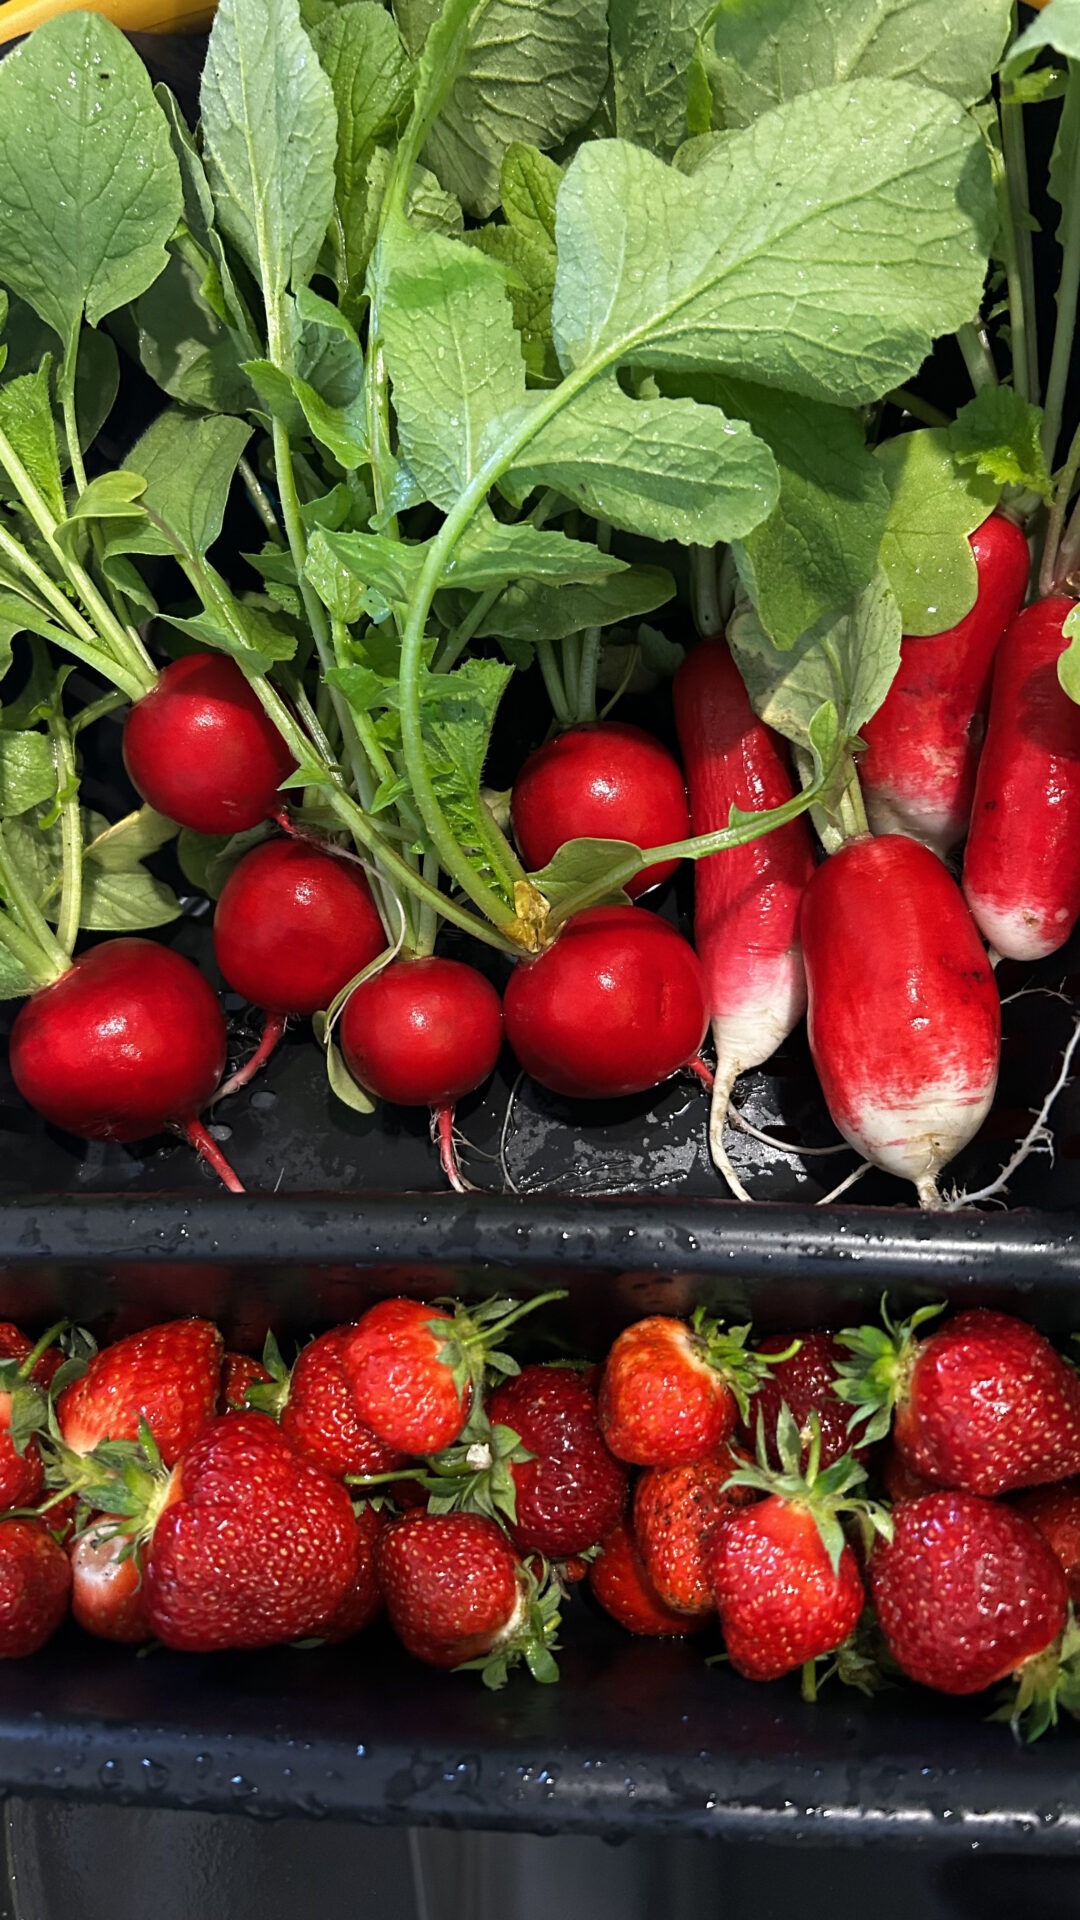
(984, 1405)
(966, 1593)
(671, 1393)
(1056, 1513)
(108, 1593)
(35, 1582)
(901, 1481)
(251, 1544)
(676, 1512)
(786, 1582)
(24, 1407)
(169, 1376)
(363, 1600)
(415, 1370)
(320, 1414)
(458, 1595)
(805, 1381)
(239, 1371)
(573, 1492)
(620, 1583)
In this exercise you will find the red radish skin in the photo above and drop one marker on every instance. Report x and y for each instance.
(1022, 862)
(604, 782)
(904, 1017)
(422, 1033)
(200, 748)
(615, 1006)
(747, 900)
(918, 773)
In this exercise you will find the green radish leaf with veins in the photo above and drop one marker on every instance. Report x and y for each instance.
(124, 901)
(348, 1091)
(490, 554)
(925, 550)
(28, 340)
(187, 462)
(652, 46)
(534, 610)
(999, 434)
(457, 715)
(820, 250)
(27, 771)
(91, 187)
(530, 281)
(15, 983)
(533, 71)
(207, 859)
(185, 348)
(122, 846)
(371, 76)
(850, 661)
(26, 418)
(529, 185)
(586, 863)
(666, 469)
(1057, 27)
(760, 53)
(270, 138)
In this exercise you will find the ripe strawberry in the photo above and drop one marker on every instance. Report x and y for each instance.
(786, 1582)
(967, 1592)
(415, 1370)
(239, 1371)
(24, 1409)
(108, 1593)
(671, 1393)
(169, 1376)
(1056, 1513)
(805, 1381)
(573, 1491)
(676, 1512)
(901, 1481)
(320, 1414)
(35, 1582)
(458, 1595)
(249, 1544)
(364, 1600)
(618, 1580)
(984, 1405)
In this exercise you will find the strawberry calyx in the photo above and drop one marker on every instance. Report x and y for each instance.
(27, 1405)
(468, 1343)
(824, 1492)
(529, 1636)
(1044, 1684)
(126, 1480)
(474, 1475)
(878, 1375)
(724, 1349)
(270, 1396)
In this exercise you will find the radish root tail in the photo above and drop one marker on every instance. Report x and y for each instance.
(207, 1149)
(718, 1113)
(1038, 1138)
(272, 1033)
(442, 1126)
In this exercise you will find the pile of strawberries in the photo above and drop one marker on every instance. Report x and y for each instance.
(894, 1499)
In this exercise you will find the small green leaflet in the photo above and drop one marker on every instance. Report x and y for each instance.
(529, 185)
(207, 859)
(999, 434)
(119, 894)
(525, 247)
(270, 138)
(119, 848)
(1058, 26)
(850, 662)
(27, 771)
(754, 284)
(187, 462)
(1068, 665)
(457, 714)
(652, 45)
(348, 1091)
(763, 52)
(91, 188)
(925, 550)
(533, 71)
(26, 420)
(371, 77)
(588, 864)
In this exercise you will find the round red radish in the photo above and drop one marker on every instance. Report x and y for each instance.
(918, 773)
(614, 1006)
(294, 925)
(1022, 862)
(422, 1032)
(201, 749)
(605, 782)
(129, 1039)
(746, 900)
(904, 1017)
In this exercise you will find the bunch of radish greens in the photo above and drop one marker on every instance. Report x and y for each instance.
(508, 323)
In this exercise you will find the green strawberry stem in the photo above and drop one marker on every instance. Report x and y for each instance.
(826, 1493)
(26, 1367)
(877, 1375)
(1044, 1684)
(725, 1350)
(484, 1335)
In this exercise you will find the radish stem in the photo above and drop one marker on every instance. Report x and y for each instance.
(26, 912)
(974, 345)
(1067, 292)
(1054, 546)
(705, 592)
(1011, 183)
(67, 788)
(260, 499)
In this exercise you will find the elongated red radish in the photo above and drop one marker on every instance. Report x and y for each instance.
(130, 1040)
(294, 924)
(904, 1017)
(614, 1006)
(603, 782)
(747, 900)
(423, 1033)
(200, 748)
(918, 773)
(1022, 861)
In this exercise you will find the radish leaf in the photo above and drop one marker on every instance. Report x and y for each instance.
(371, 76)
(26, 418)
(1058, 27)
(999, 434)
(925, 550)
(534, 610)
(652, 45)
(187, 463)
(91, 189)
(850, 661)
(762, 52)
(584, 863)
(27, 771)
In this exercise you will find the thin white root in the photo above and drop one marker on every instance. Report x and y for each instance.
(929, 1197)
(782, 1146)
(863, 1167)
(1025, 993)
(504, 1136)
(1038, 1138)
(446, 1138)
(718, 1113)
